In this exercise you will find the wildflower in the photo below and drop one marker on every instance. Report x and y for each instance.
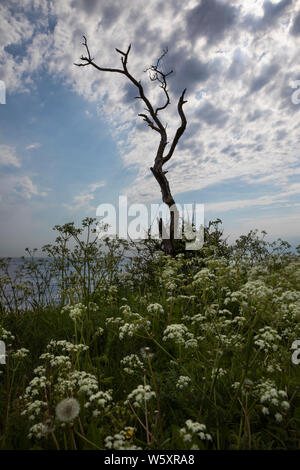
(93, 307)
(129, 433)
(131, 364)
(146, 353)
(21, 353)
(194, 429)
(114, 321)
(155, 308)
(67, 410)
(285, 405)
(34, 408)
(269, 395)
(120, 441)
(204, 278)
(236, 385)
(6, 335)
(76, 312)
(39, 431)
(129, 329)
(141, 394)
(66, 346)
(266, 339)
(101, 399)
(57, 361)
(99, 331)
(180, 335)
(218, 372)
(183, 382)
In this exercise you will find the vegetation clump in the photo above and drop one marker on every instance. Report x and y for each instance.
(111, 345)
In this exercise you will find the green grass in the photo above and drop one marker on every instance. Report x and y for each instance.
(220, 325)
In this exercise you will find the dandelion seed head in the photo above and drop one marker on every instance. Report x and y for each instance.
(67, 410)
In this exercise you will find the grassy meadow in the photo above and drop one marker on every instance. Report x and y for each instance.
(106, 350)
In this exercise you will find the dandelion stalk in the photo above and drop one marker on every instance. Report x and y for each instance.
(88, 441)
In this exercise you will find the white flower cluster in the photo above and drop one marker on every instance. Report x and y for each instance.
(113, 289)
(183, 382)
(179, 333)
(218, 372)
(125, 309)
(273, 400)
(289, 296)
(99, 400)
(236, 297)
(39, 431)
(266, 339)
(121, 440)
(233, 340)
(129, 329)
(76, 312)
(257, 272)
(193, 429)
(134, 322)
(139, 395)
(217, 263)
(114, 321)
(132, 364)
(57, 361)
(155, 309)
(99, 331)
(93, 307)
(21, 353)
(66, 346)
(257, 289)
(198, 318)
(84, 382)
(6, 335)
(169, 273)
(36, 385)
(203, 278)
(33, 409)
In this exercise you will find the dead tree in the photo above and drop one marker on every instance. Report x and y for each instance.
(154, 122)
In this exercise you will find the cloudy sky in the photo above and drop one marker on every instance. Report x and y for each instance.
(70, 138)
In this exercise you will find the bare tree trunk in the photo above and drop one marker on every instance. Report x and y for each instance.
(168, 243)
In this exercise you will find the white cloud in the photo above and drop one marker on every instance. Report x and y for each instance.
(34, 145)
(8, 156)
(94, 186)
(84, 198)
(237, 128)
(280, 198)
(31, 37)
(24, 187)
(15, 187)
(244, 127)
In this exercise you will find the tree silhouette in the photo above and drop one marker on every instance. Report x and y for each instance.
(155, 123)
